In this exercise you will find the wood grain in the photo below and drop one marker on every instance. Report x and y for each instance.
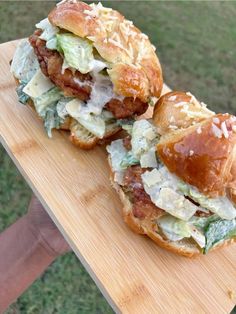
(132, 272)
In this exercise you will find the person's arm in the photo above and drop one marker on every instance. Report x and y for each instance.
(27, 248)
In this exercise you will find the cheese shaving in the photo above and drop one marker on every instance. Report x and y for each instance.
(216, 131)
(224, 130)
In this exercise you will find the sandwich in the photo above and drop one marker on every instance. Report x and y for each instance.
(87, 69)
(176, 175)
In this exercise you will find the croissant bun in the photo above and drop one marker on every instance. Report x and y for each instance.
(198, 146)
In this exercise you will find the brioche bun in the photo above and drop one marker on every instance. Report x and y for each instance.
(134, 68)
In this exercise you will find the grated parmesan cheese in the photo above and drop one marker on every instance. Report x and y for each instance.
(180, 104)
(224, 130)
(216, 131)
(172, 119)
(199, 130)
(234, 128)
(173, 127)
(216, 120)
(172, 98)
(191, 152)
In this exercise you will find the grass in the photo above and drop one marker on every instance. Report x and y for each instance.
(196, 46)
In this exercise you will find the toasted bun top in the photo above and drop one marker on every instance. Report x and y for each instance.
(203, 155)
(134, 67)
(176, 110)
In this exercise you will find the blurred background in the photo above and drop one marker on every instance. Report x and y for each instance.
(196, 44)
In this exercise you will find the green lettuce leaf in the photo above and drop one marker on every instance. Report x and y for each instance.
(52, 119)
(46, 99)
(218, 231)
(173, 228)
(129, 160)
(78, 52)
(220, 205)
(117, 153)
(23, 97)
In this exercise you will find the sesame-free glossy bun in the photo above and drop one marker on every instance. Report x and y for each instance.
(134, 68)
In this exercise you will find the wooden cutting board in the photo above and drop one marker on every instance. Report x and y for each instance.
(132, 272)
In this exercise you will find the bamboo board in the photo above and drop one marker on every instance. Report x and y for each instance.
(131, 271)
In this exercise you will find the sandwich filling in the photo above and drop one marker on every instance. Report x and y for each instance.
(178, 210)
(66, 77)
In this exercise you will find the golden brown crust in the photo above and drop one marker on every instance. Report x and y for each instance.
(176, 110)
(199, 157)
(84, 139)
(119, 42)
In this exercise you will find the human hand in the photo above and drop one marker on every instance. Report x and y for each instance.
(45, 230)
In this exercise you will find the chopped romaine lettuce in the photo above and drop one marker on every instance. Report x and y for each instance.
(160, 185)
(144, 136)
(117, 153)
(95, 124)
(219, 230)
(220, 205)
(148, 159)
(48, 98)
(49, 30)
(25, 63)
(127, 125)
(78, 52)
(23, 98)
(173, 228)
(203, 222)
(198, 236)
(61, 107)
(129, 160)
(51, 119)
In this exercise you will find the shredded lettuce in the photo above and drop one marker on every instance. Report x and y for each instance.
(25, 63)
(78, 52)
(218, 231)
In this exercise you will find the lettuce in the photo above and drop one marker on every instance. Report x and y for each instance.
(117, 153)
(25, 63)
(95, 124)
(46, 99)
(78, 52)
(49, 30)
(220, 205)
(173, 228)
(129, 160)
(52, 119)
(23, 97)
(218, 231)
(144, 136)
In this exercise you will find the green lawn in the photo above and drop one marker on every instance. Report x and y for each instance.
(196, 45)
